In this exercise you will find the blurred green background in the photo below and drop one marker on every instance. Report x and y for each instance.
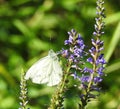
(29, 28)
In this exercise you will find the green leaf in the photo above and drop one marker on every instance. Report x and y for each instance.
(113, 43)
(112, 18)
(113, 67)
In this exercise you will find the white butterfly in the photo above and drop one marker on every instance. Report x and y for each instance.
(46, 70)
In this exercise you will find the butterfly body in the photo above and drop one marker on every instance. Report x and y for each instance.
(46, 70)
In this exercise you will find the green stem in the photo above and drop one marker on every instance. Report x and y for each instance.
(57, 99)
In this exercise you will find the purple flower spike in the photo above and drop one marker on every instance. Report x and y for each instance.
(93, 75)
(76, 49)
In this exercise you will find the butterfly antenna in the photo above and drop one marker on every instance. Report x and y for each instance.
(50, 43)
(58, 52)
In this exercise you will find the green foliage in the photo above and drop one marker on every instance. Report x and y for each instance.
(29, 28)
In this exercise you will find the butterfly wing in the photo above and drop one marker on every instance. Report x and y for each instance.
(37, 71)
(55, 75)
(46, 70)
(43, 75)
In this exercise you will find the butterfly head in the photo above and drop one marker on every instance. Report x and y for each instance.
(53, 55)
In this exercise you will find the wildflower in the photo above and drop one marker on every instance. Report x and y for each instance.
(96, 59)
(72, 56)
(76, 51)
(23, 94)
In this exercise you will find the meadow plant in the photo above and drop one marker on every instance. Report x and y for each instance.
(96, 59)
(74, 66)
(88, 78)
(23, 94)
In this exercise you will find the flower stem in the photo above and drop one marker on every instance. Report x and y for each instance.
(23, 93)
(95, 53)
(58, 98)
